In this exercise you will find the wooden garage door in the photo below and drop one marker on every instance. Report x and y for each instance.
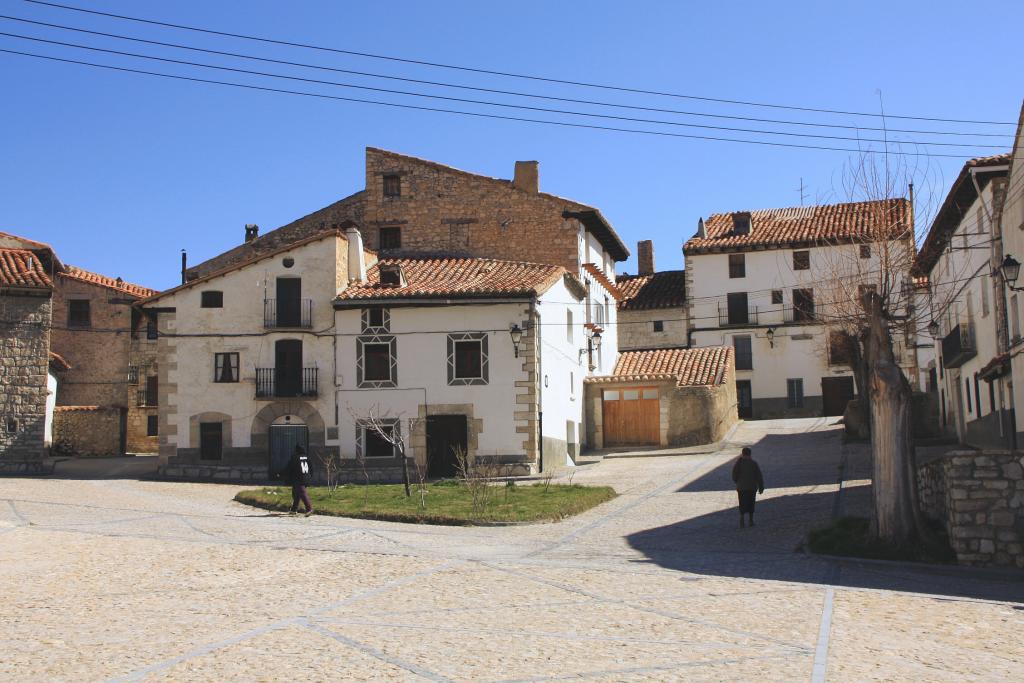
(631, 417)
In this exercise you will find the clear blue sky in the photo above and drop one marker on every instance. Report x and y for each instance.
(119, 172)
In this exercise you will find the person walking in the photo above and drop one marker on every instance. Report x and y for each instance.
(749, 483)
(298, 476)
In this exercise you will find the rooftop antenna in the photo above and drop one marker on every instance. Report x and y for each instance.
(803, 194)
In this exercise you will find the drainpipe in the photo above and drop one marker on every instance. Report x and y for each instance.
(538, 379)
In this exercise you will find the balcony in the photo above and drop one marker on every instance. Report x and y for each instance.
(736, 317)
(292, 314)
(145, 398)
(798, 315)
(286, 383)
(958, 346)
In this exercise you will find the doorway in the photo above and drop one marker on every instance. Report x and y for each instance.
(288, 367)
(744, 399)
(289, 302)
(446, 434)
(836, 392)
(283, 440)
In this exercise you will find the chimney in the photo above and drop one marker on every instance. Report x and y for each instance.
(356, 264)
(252, 231)
(645, 257)
(527, 176)
(184, 265)
(700, 228)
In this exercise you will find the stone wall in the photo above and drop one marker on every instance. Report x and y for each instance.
(979, 497)
(87, 430)
(24, 361)
(636, 328)
(98, 355)
(142, 355)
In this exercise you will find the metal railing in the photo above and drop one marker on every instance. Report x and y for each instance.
(734, 317)
(286, 383)
(290, 314)
(959, 345)
(799, 314)
(133, 374)
(146, 398)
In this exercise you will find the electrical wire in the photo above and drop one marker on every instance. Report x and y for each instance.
(495, 90)
(566, 124)
(503, 73)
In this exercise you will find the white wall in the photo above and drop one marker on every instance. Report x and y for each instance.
(1013, 245)
(51, 404)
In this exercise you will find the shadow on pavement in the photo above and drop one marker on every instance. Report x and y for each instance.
(715, 545)
(124, 467)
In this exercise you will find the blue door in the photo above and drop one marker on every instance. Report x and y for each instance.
(283, 439)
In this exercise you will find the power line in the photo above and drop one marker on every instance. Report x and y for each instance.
(503, 73)
(478, 102)
(463, 113)
(494, 90)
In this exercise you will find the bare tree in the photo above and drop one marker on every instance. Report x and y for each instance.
(389, 429)
(869, 308)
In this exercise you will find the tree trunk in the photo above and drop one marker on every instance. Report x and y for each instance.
(894, 483)
(405, 472)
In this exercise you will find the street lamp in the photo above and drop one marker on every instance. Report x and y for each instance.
(1010, 268)
(933, 329)
(770, 333)
(516, 333)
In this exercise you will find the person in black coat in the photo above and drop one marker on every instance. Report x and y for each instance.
(749, 483)
(297, 474)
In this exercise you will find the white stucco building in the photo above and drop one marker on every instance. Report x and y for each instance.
(773, 284)
(960, 256)
(1011, 220)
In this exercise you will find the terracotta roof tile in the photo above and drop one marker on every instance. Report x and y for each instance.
(428, 277)
(138, 291)
(804, 225)
(59, 362)
(666, 289)
(22, 268)
(599, 275)
(705, 366)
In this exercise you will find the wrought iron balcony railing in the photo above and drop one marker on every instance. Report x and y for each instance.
(284, 313)
(959, 346)
(286, 383)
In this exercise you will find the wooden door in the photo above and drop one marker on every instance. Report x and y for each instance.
(632, 416)
(446, 434)
(289, 302)
(288, 367)
(744, 399)
(283, 440)
(836, 392)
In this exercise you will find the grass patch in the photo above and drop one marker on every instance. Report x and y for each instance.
(850, 537)
(445, 503)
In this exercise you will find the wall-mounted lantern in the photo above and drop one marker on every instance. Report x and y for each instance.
(933, 329)
(770, 333)
(516, 333)
(1010, 268)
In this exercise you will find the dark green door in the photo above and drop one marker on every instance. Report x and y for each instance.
(446, 435)
(283, 439)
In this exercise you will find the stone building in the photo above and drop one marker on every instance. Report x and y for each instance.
(26, 295)
(652, 310)
(663, 397)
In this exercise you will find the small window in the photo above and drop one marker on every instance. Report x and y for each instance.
(376, 319)
(744, 354)
(737, 265)
(795, 393)
(79, 313)
(659, 326)
(391, 275)
(225, 367)
(11, 425)
(977, 394)
(741, 223)
(151, 330)
(984, 296)
(865, 251)
(151, 396)
(212, 299)
(982, 228)
(152, 425)
(211, 441)
(390, 238)
(392, 185)
(568, 326)
(610, 395)
(377, 444)
(776, 296)
(803, 305)
(378, 362)
(467, 358)
(650, 393)
(630, 395)
(801, 260)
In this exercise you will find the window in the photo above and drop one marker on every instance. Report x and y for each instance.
(78, 313)
(865, 251)
(659, 326)
(744, 355)
(151, 331)
(572, 385)
(795, 393)
(467, 358)
(212, 299)
(977, 395)
(375, 441)
(741, 223)
(11, 425)
(801, 260)
(1014, 318)
(967, 386)
(392, 185)
(776, 296)
(211, 443)
(152, 425)
(982, 228)
(376, 362)
(739, 314)
(568, 326)
(391, 275)
(598, 314)
(840, 350)
(225, 367)
(803, 305)
(984, 296)
(376, 319)
(151, 396)
(390, 238)
(737, 265)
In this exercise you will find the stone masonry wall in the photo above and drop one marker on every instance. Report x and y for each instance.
(98, 355)
(441, 209)
(142, 355)
(979, 496)
(87, 430)
(636, 329)
(24, 361)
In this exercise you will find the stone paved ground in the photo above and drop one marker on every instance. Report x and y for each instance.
(122, 579)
